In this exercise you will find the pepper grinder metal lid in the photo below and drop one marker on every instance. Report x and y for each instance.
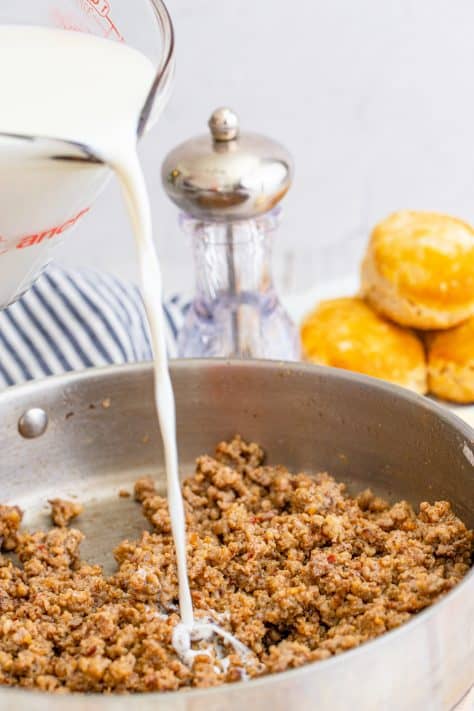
(227, 175)
(227, 183)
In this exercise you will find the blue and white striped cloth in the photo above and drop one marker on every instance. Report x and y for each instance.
(72, 320)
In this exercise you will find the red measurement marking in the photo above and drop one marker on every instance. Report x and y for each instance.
(100, 6)
(114, 31)
(38, 237)
(67, 23)
(93, 12)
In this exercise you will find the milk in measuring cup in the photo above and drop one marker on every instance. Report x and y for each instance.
(62, 85)
(67, 86)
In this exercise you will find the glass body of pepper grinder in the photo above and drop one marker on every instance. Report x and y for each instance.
(228, 186)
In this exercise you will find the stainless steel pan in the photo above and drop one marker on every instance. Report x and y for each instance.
(102, 435)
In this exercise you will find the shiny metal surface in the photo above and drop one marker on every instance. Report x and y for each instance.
(102, 435)
(227, 174)
(33, 423)
(224, 124)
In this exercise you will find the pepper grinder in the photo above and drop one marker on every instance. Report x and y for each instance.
(228, 185)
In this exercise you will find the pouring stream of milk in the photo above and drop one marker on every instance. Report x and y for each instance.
(128, 170)
(81, 88)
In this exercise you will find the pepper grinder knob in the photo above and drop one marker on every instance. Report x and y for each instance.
(224, 125)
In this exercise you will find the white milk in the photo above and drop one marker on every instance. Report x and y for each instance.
(71, 86)
(85, 89)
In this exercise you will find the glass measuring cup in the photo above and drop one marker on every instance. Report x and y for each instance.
(41, 200)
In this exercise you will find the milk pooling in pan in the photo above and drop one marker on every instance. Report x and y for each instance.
(84, 89)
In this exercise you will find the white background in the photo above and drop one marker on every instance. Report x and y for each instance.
(374, 98)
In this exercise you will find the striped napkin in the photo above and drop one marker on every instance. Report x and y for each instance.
(72, 320)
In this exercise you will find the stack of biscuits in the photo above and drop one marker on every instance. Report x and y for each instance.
(413, 322)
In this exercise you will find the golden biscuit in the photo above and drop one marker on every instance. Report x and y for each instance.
(419, 270)
(347, 333)
(451, 363)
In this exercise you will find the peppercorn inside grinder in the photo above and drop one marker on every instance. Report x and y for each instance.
(228, 185)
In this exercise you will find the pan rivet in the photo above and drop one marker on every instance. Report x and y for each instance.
(33, 423)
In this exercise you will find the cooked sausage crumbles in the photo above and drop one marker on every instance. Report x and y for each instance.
(63, 512)
(292, 565)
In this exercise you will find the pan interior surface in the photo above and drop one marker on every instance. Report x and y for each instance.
(102, 436)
